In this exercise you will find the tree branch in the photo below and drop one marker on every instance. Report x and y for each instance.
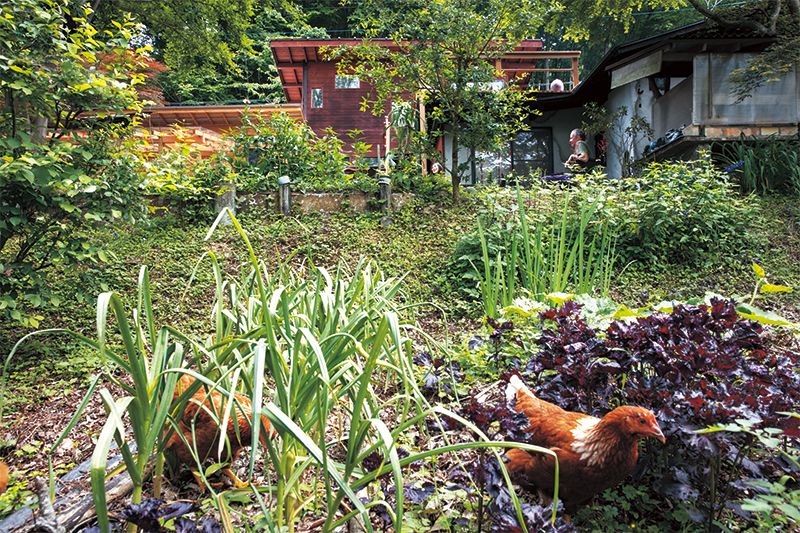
(13, 108)
(31, 241)
(773, 19)
(731, 23)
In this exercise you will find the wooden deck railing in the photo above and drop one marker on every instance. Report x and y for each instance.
(565, 62)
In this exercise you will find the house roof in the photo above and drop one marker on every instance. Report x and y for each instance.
(291, 55)
(213, 117)
(679, 47)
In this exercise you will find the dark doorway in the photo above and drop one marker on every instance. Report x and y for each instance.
(532, 151)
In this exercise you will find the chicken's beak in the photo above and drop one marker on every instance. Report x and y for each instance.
(655, 432)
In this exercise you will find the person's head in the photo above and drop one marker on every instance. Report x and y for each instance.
(556, 86)
(576, 135)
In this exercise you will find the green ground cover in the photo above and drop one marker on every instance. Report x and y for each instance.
(49, 373)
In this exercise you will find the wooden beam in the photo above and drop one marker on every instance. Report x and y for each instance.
(536, 69)
(641, 68)
(554, 54)
(575, 73)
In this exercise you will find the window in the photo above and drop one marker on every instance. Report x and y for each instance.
(489, 167)
(532, 150)
(316, 98)
(347, 82)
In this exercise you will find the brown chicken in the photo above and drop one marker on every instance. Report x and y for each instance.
(3, 477)
(593, 453)
(205, 412)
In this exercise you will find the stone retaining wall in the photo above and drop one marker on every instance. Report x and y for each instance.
(325, 202)
(302, 203)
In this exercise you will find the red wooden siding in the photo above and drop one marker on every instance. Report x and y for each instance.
(340, 107)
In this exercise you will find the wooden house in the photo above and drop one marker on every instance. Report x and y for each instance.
(329, 100)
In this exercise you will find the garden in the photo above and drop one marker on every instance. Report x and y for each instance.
(384, 369)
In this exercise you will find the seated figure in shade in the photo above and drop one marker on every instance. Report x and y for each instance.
(556, 86)
(580, 158)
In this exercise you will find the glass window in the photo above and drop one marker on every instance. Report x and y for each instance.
(348, 82)
(316, 98)
(489, 167)
(531, 151)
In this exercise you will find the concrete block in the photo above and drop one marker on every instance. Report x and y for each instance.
(691, 131)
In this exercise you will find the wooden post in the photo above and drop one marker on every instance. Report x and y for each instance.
(575, 74)
(388, 135)
(284, 196)
(423, 127)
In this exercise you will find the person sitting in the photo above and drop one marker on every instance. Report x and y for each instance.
(580, 158)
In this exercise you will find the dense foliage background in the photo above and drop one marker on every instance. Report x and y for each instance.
(373, 338)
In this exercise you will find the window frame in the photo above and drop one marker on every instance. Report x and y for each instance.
(548, 162)
(320, 92)
(347, 82)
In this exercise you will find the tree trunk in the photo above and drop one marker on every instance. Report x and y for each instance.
(39, 133)
(454, 174)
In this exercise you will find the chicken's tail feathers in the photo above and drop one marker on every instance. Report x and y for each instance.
(515, 385)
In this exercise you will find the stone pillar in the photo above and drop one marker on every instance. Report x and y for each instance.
(226, 198)
(284, 196)
(386, 193)
(386, 200)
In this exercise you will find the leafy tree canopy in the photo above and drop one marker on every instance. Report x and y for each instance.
(445, 52)
(55, 185)
(600, 21)
(183, 33)
(607, 31)
(251, 74)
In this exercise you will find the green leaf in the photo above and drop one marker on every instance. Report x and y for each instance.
(790, 510)
(559, 297)
(764, 317)
(213, 469)
(769, 287)
(757, 506)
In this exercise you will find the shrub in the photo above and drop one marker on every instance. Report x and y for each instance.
(675, 212)
(269, 147)
(540, 252)
(693, 367)
(179, 173)
(764, 166)
(52, 191)
(51, 196)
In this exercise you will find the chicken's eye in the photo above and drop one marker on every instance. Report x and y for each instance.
(641, 421)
